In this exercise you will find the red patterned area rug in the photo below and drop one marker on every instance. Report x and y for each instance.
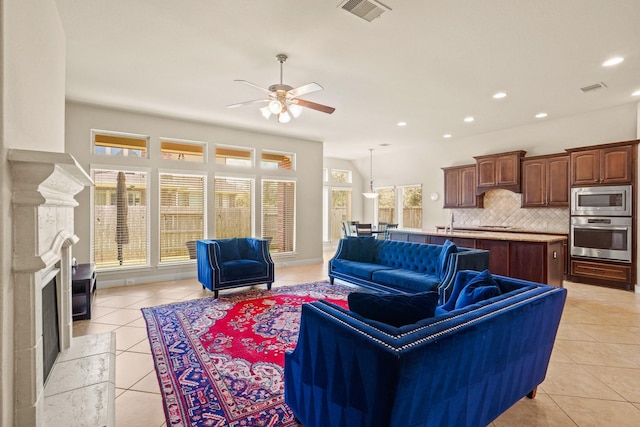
(220, 362)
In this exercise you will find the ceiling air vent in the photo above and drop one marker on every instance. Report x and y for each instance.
(365, 9)
(591, 88)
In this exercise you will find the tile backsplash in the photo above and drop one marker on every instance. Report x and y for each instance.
(502, 208)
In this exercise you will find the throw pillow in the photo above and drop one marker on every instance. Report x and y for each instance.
(395, 310)
(448, 248)
(228, 250)
(480, 288)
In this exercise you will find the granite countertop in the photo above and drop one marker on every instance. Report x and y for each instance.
(513, 235)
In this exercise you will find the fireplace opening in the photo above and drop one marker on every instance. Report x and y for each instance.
(50, 330)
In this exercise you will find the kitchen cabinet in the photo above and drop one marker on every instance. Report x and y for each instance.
(545, 181)
(598, 272)
(460, 187)
(607, 165)
(499, 171)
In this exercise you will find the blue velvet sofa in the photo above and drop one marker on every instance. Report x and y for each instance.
(463, 367)
(403, 267)
(229, 263)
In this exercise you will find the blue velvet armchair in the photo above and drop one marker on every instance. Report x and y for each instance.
(230, 263)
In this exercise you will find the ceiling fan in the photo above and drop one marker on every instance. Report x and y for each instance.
(283, 100)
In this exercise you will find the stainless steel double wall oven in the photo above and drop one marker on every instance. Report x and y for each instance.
(601, 222)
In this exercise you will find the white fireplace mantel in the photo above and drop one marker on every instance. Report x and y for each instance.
(44, 185)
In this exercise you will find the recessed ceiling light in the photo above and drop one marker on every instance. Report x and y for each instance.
(541, 115)
(447, 135)
(636, 93)
(469, 119)
(402, 123)
(499, 95)
(612, 61)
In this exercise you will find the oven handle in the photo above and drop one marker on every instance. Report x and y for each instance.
(606, 227)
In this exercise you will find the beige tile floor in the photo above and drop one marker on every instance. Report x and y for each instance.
(593, 378)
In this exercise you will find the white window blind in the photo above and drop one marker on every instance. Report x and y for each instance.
(234, 207)
(182, 215)
(279, 214)
(120, 218)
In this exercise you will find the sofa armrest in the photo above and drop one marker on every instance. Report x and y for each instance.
(333, 361)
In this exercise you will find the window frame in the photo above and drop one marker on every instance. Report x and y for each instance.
(252, 197)
(108, 133)
(202, 144)
(250, 150)
(92, 247)
(294, 181)
(174, 172)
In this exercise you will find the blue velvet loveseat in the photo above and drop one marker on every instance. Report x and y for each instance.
(229, 263)
(403, 267)
(461, 368)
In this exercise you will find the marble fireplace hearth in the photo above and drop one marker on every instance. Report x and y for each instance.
(44, 185)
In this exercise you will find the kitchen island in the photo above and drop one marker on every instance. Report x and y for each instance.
(524, 255)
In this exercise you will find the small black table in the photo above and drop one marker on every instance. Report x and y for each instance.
(83, 287)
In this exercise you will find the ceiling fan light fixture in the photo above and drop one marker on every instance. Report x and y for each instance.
(295, 110)
(284, 117)
(266, 113)
(275, 106)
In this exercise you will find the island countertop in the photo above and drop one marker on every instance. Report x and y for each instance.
(511, 235)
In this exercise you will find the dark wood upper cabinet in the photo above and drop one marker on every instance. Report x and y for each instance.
(460, 187)
(499, 171)
(609, 165)
(545, 181)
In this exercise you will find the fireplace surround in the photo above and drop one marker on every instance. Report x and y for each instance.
(43, 188)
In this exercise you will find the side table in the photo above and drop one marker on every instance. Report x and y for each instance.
(83, 287)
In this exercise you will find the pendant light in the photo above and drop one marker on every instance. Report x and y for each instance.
(371, 194)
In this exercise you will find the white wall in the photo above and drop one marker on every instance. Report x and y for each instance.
(81, 118)
(32, 76)
(422, 165)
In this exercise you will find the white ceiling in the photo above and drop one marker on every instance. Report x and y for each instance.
(427, 62)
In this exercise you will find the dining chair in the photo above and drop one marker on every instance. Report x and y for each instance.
(363, 230)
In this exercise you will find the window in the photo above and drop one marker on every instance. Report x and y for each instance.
(182, 214)
(341, 176)
(340, 211)
(182, 150)
(272, 160)
(120, 218)
(234, 156)
(278, 214)
(325, 175)
(234, 207)
(411, 206)
(386, 205)
(118, 144)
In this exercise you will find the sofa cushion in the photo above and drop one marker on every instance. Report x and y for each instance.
(479, 288)
(406, 279)
(363, 270)
(395, 310)
(228, 249)
(448, 248)
(241, 268)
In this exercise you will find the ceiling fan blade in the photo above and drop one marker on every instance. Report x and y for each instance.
(303, 90)
(253, 85)
(255, 101)
(313, 105)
